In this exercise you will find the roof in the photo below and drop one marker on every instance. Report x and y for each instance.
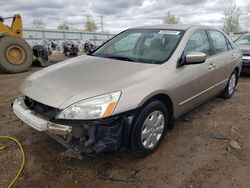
(172, 26)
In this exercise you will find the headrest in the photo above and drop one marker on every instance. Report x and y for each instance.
(156, 44)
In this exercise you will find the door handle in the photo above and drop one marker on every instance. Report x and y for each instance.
(211, 66)
(232, 56)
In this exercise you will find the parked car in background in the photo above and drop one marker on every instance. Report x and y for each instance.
(127, 93)
(244, 44)
(234, 37)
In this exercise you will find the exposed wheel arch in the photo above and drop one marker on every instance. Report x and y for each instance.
(237, 69)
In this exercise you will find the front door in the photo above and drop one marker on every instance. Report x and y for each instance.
(197, 80)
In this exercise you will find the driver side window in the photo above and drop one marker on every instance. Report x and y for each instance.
(198, 42)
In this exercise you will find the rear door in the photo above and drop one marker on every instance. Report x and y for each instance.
(222, 58)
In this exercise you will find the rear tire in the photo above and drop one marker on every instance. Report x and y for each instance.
(230, 88)
(147, 134)
(15, 54)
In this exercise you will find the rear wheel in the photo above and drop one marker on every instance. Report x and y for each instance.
(230, 88)
(15, 54)
(150, 128)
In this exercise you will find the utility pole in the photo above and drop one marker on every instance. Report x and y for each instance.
(88, 17)
(101, 17)
(88, 20)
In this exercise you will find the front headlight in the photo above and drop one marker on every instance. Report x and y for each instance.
(93, 108)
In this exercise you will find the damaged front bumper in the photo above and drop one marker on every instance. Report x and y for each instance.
(82, 137)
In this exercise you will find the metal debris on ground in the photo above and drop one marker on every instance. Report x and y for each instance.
(215, 136)
(2, 146)
(229, 149)
(234, 144)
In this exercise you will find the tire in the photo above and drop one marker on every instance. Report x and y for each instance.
(25, 51)
(141, 143)
(230, 88)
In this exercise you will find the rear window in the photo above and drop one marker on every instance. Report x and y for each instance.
(219, 42)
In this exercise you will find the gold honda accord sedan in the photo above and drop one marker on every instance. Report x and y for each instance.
(127, 93)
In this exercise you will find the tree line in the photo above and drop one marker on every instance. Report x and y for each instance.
(230, 20)
(90, 26)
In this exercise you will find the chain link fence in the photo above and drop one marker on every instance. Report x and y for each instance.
(42, 37)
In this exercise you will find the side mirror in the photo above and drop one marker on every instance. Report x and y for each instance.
(194, 58)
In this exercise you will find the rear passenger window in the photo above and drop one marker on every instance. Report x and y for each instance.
(219, 42)
(198, 42)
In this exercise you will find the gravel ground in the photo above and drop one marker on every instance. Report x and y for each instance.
(196, 153)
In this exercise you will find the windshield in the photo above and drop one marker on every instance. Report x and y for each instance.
(141, 45)
(243, 40)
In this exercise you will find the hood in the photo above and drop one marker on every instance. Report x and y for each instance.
(81, 78)
(245, 49)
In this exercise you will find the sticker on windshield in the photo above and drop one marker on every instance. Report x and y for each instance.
(168, 32)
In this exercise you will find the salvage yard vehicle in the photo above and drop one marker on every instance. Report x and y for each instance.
(244, 44)
(127, 93)
(89, 47)
(70, 49)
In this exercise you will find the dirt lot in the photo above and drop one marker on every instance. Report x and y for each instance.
(195, 154)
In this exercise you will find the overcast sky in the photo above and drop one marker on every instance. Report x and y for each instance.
(121, 14)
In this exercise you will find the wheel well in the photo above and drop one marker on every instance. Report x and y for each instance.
(167, 101)
(237, 70)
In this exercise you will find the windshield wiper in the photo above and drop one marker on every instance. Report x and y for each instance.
(149, 61)
(121, 58)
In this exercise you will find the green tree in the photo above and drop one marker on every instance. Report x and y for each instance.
(63, 26)
(231, 19)
(90, 26)
(171, 19)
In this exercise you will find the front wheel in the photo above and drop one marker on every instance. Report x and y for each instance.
(230, 88)
(150, 128)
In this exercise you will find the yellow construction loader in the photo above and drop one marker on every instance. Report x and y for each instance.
(16, 54)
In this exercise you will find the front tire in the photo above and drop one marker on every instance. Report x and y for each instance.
(230, 88)
(150, 128)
